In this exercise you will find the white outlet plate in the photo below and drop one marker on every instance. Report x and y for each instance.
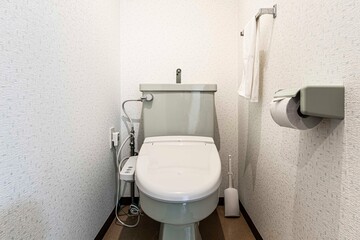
(112, 129)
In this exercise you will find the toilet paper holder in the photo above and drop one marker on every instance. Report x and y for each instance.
(319, 101)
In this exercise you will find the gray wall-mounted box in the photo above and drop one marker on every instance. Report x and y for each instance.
(319, 100)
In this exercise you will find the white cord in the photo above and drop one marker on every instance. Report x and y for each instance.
(121, 164)
(120, 149)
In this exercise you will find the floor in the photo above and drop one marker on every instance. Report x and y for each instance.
(214, 227)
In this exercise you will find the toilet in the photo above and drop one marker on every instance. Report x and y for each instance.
(178, 170)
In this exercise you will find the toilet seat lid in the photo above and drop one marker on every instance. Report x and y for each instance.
(178, 168)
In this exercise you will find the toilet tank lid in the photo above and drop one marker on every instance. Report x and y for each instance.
(178, 139)
(178, 87)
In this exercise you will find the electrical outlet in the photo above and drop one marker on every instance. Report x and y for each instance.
(112, 129)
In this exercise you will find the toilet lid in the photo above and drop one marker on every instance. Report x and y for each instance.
(178, 169)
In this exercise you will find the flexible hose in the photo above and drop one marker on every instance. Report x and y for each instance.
(133, 208)
(123, 108)
(148, 98)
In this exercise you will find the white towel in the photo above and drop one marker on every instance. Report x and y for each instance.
(249, 87)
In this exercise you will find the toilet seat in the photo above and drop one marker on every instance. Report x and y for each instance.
(178, 168)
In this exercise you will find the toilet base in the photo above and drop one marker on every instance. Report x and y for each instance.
(184, 232)
(179, 220)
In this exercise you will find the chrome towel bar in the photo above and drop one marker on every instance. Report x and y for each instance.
(263, 11)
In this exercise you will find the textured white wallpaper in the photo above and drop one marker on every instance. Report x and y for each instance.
(303, 184)
(200, 37)
(59, 94)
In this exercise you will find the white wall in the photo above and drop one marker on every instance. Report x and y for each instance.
(59, 94)
(303, 184)
(200, 37)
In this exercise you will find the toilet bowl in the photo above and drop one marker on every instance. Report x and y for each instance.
(178, 178)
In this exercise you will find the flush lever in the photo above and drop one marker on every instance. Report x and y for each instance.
(178, 75)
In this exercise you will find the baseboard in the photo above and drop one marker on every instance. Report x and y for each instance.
(106, 226)
(110, 219)
(221, 201)
(247, 218)
(127, 201)
(250, 223)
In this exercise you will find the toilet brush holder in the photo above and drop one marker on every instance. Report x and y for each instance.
(231, 197)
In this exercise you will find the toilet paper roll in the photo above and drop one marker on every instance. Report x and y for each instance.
(286, 113)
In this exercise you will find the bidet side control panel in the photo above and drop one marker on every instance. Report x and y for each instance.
(128, 171)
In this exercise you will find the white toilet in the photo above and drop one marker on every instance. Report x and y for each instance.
(178, 171)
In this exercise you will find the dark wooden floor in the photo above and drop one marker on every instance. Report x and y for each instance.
(214, 227)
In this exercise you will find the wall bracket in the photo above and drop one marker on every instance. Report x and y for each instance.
(262, 11)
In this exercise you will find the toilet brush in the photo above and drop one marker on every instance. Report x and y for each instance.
(231, 197)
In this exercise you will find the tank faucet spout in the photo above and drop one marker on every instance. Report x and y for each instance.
(178, 75)
(147, 97)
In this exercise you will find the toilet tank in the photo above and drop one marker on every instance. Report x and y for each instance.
(179, 109)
